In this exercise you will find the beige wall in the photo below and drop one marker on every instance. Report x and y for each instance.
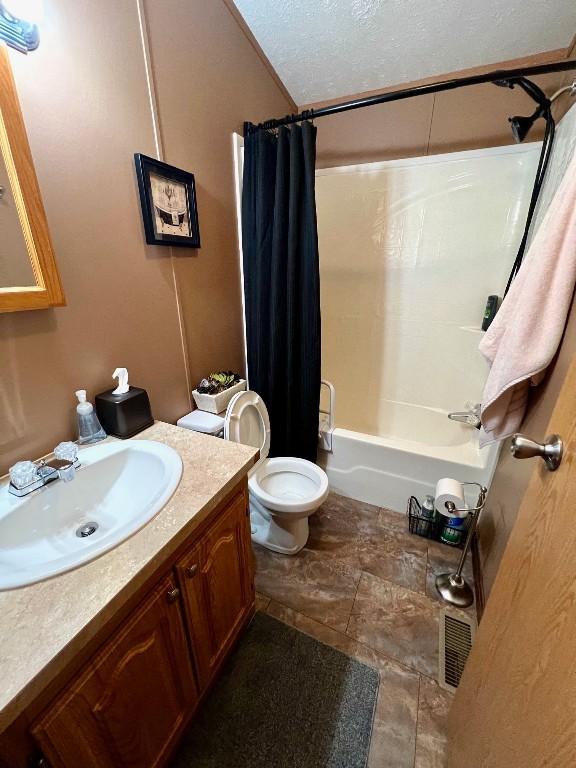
(467, 118)
(86, 108)
(224, 84)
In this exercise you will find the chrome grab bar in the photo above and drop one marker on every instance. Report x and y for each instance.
(326, 426)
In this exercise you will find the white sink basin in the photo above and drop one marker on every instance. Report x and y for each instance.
(119, 488)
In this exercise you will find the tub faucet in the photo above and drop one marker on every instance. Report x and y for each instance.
(470, 417)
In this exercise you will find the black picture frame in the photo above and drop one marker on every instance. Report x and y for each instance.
(168, 201)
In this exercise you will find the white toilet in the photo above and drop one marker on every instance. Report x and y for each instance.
(284, 492)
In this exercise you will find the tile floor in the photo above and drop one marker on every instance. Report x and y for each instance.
(364, 585)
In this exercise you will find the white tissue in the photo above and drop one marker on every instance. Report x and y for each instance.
(122, 375)
(448, 489)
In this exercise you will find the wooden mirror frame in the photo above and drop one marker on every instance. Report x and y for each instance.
(15, 150)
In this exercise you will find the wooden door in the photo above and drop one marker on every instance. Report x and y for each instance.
(217, 583)
(129, 706)
(516, 704)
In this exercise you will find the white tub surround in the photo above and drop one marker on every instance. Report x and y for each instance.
(409, 252)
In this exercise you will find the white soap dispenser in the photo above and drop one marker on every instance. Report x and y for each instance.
(89, 428)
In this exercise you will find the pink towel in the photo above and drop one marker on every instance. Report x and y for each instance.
(526, 332)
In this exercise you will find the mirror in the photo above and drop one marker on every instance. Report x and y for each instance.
(29, 276)
(15, 264)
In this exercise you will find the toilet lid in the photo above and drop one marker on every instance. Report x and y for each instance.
(247, 422)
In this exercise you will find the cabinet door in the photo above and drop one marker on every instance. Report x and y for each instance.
(129, 706)
(217, 583)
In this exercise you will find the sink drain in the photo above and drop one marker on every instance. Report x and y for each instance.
(86, 530)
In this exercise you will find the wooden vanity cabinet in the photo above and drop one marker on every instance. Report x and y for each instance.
(129, 706)
(217, 584)
(135, 694)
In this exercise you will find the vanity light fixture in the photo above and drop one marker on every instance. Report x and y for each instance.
(22, 35)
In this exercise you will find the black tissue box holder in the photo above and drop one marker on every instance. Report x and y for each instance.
(124, 415)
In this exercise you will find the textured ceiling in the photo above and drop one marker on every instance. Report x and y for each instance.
(322, 49)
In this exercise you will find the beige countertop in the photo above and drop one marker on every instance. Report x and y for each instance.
(43, 625)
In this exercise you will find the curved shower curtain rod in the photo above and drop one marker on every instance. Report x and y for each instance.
(509, 75)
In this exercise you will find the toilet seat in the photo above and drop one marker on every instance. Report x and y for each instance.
(247, 422)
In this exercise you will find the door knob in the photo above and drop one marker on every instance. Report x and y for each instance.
(191, 571)
(550, 450)
(173, 595)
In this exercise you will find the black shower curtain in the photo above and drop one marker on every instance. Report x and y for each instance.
(282, 283)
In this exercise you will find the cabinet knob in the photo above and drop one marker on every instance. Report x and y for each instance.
(191, 570)
(173, 595)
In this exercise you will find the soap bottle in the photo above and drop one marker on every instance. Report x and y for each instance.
(89, 428)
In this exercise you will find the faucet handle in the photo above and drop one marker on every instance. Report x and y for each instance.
(67, 451)
(65, 464)
(23, 473)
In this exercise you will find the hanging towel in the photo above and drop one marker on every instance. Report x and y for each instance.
(525, 334)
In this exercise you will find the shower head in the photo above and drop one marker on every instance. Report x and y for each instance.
(521, 125)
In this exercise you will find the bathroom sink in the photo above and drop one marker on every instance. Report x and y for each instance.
(118, 488)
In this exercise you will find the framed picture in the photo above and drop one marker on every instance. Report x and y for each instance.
(168, 200)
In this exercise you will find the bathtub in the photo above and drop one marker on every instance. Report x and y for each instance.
(416, 446)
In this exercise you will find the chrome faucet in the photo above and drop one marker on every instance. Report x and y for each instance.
(470, 417)
(29, 476)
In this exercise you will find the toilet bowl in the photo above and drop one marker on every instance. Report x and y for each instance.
(284, 492)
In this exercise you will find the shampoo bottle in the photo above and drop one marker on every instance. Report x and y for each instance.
(89, 428)
(428, 508)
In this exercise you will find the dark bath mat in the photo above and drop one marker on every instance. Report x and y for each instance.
(284, 701)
